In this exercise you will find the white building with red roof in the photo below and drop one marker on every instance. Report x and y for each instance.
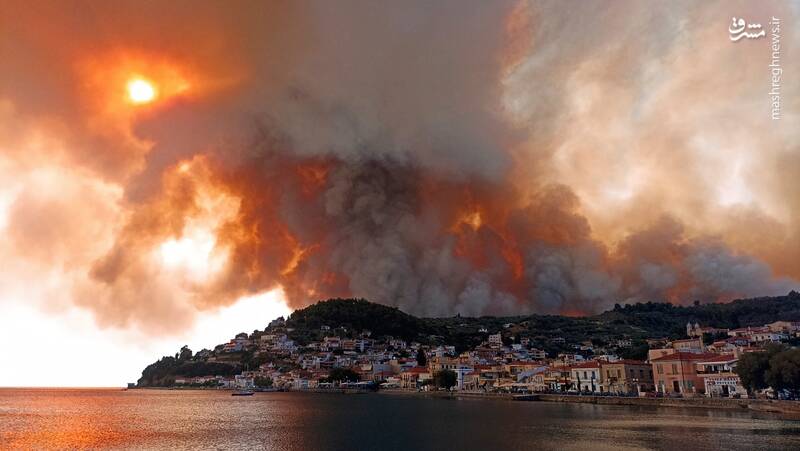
(719, 377)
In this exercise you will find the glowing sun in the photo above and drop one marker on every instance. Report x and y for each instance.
(141, 91)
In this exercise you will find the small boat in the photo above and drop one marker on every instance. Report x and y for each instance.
(243, 393)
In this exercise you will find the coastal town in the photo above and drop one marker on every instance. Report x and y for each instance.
(703, 363)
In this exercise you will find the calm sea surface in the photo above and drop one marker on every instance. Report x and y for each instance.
(161, 419)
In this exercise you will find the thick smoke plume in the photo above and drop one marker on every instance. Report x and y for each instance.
(475, 158)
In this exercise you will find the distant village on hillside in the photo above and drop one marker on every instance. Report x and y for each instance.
(708, 361)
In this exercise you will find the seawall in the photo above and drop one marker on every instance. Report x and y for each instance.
(760, 405)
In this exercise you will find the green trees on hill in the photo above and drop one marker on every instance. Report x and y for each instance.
(185, 354)
(355, 315)
(636, 352)
(165, 370)
(663, 319)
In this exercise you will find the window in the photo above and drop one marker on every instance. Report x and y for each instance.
(674, 368)
(660, 368)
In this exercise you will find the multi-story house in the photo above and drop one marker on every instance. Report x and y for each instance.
(733, 345)
(331, 343)
(787, 327)
(232, 346)
(672, 347)
(557, 378)
(414, 377)
(284, 345)
(515, 367)
(627, 377)
(537, 354)
(309, 362)
(677, 372)
(533, 378)
(454, 364)
(768, 337)
(488, 377)
(719, 377)
(694, 330)
(586, 376)
(398, 344)
(570, 359)
(243, 382)
(747, 331)
(687, 345)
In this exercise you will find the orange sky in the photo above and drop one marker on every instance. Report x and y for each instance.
(178, 172)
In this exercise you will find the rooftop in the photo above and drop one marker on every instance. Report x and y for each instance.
(681, 355)
(720, 359)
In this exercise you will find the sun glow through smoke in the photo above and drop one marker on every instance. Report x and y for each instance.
(141, 91)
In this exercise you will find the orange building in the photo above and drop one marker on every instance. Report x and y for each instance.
(627, 376)
(677, 372)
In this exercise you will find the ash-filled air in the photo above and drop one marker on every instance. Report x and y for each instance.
(481, 158)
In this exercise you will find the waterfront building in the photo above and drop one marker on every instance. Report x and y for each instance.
(244, 382)
(586, 376)
(677, 373)
(414, 377)
(557, 378)
(719, 378)
(627, 377)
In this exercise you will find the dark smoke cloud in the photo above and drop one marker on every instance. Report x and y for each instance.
(401, 235)
(471, 157)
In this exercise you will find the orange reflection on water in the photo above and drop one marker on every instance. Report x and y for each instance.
(59, 419)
